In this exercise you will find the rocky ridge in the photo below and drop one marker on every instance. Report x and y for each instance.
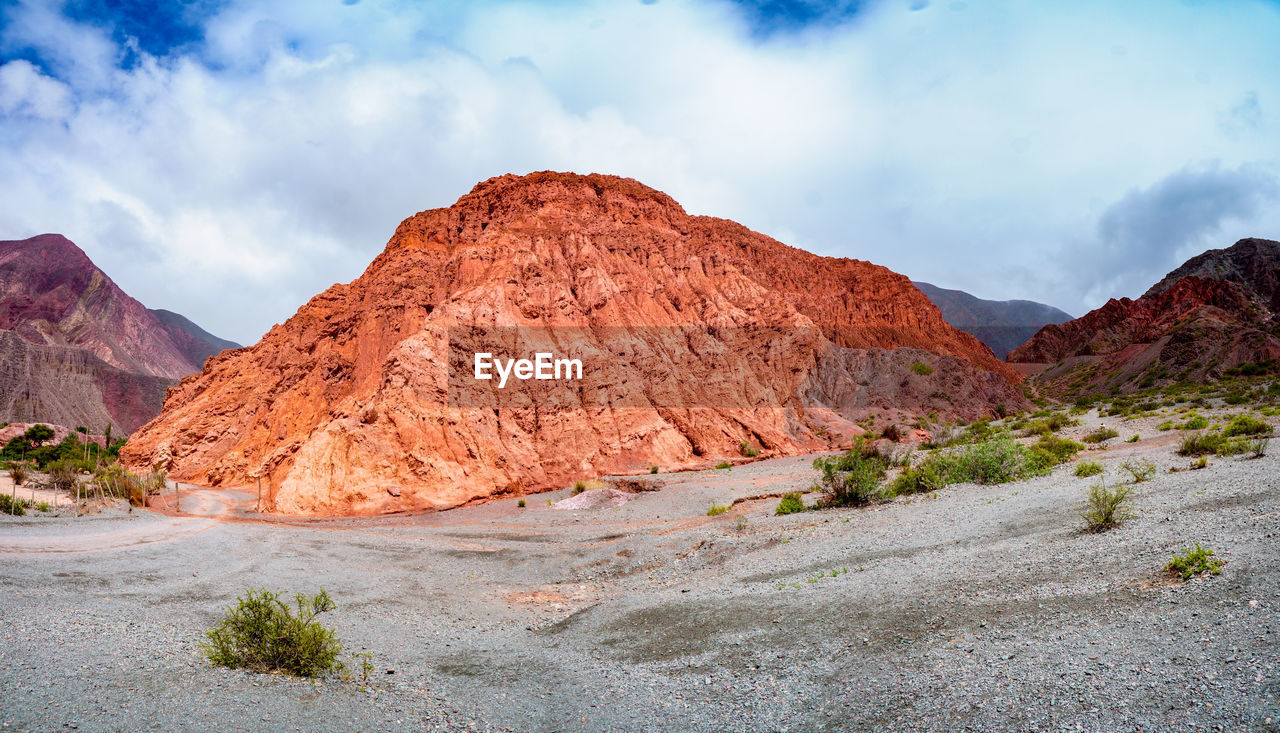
(1214, 314)
(699, 334)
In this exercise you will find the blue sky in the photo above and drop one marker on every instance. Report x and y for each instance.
(229, 159)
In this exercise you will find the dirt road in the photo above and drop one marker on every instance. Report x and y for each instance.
(984, 607)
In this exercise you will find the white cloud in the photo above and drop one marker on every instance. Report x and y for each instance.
(24, 91)
(968, 148)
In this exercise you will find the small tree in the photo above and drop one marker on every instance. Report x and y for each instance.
(38, 434)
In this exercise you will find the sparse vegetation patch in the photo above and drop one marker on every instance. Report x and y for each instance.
(1192, 562)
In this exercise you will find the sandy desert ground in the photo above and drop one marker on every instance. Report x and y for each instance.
(978, 608)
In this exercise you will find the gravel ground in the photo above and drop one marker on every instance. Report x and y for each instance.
(981, 607)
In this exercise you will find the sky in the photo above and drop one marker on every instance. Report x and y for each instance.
(228, 159)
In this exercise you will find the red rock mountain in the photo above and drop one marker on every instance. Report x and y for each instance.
(77, 349)
(1214, 313)
(697, 335)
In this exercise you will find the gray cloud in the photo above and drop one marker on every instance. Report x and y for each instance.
(1151, 230)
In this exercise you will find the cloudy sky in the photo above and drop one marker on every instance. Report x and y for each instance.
(229, 159)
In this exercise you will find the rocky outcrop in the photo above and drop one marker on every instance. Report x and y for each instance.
(1214, 313)
(77, 349)
(1000, 324)
(696, 335)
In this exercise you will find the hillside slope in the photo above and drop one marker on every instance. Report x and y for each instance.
(1002, 325)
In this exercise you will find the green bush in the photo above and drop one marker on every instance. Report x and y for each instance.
(994, 461)
(653, 469)
(520, 504)
(38, 434)
(1199, 463)
(10, 505)
(1139, 470)
(262, 634)
(1191, 563)
(716, 509)
(1101, 434)
(1195, 422)
(1133, 438)
(747, 450)
(1246, 425)
(1050, 424)
(1164, 426)
(1200, 444)
(922, 369)
(724, 464)
(115, 480)
(1106, 508)
(1088, 468)
(790, 504)
(62, 476)
(851, 479)
(1061, 449)
(928, 476)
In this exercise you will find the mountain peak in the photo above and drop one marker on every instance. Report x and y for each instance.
(75, 321)
(361, 402)
(1253, 262)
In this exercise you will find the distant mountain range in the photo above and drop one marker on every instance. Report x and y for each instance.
(1213, 316)
(77, 350)
(1002, 325)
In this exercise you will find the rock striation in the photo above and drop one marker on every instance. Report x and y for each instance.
(1215, 313)
(77, 349)
(697, 335)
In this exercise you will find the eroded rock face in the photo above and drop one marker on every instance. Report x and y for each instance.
(697, 335)
(64, 385)
(1215, 312)
(78, 350)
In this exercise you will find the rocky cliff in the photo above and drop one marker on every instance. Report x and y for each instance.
(1216, 312)
(696, 333)
(77, 349)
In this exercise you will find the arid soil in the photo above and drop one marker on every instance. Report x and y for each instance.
(980, 607)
